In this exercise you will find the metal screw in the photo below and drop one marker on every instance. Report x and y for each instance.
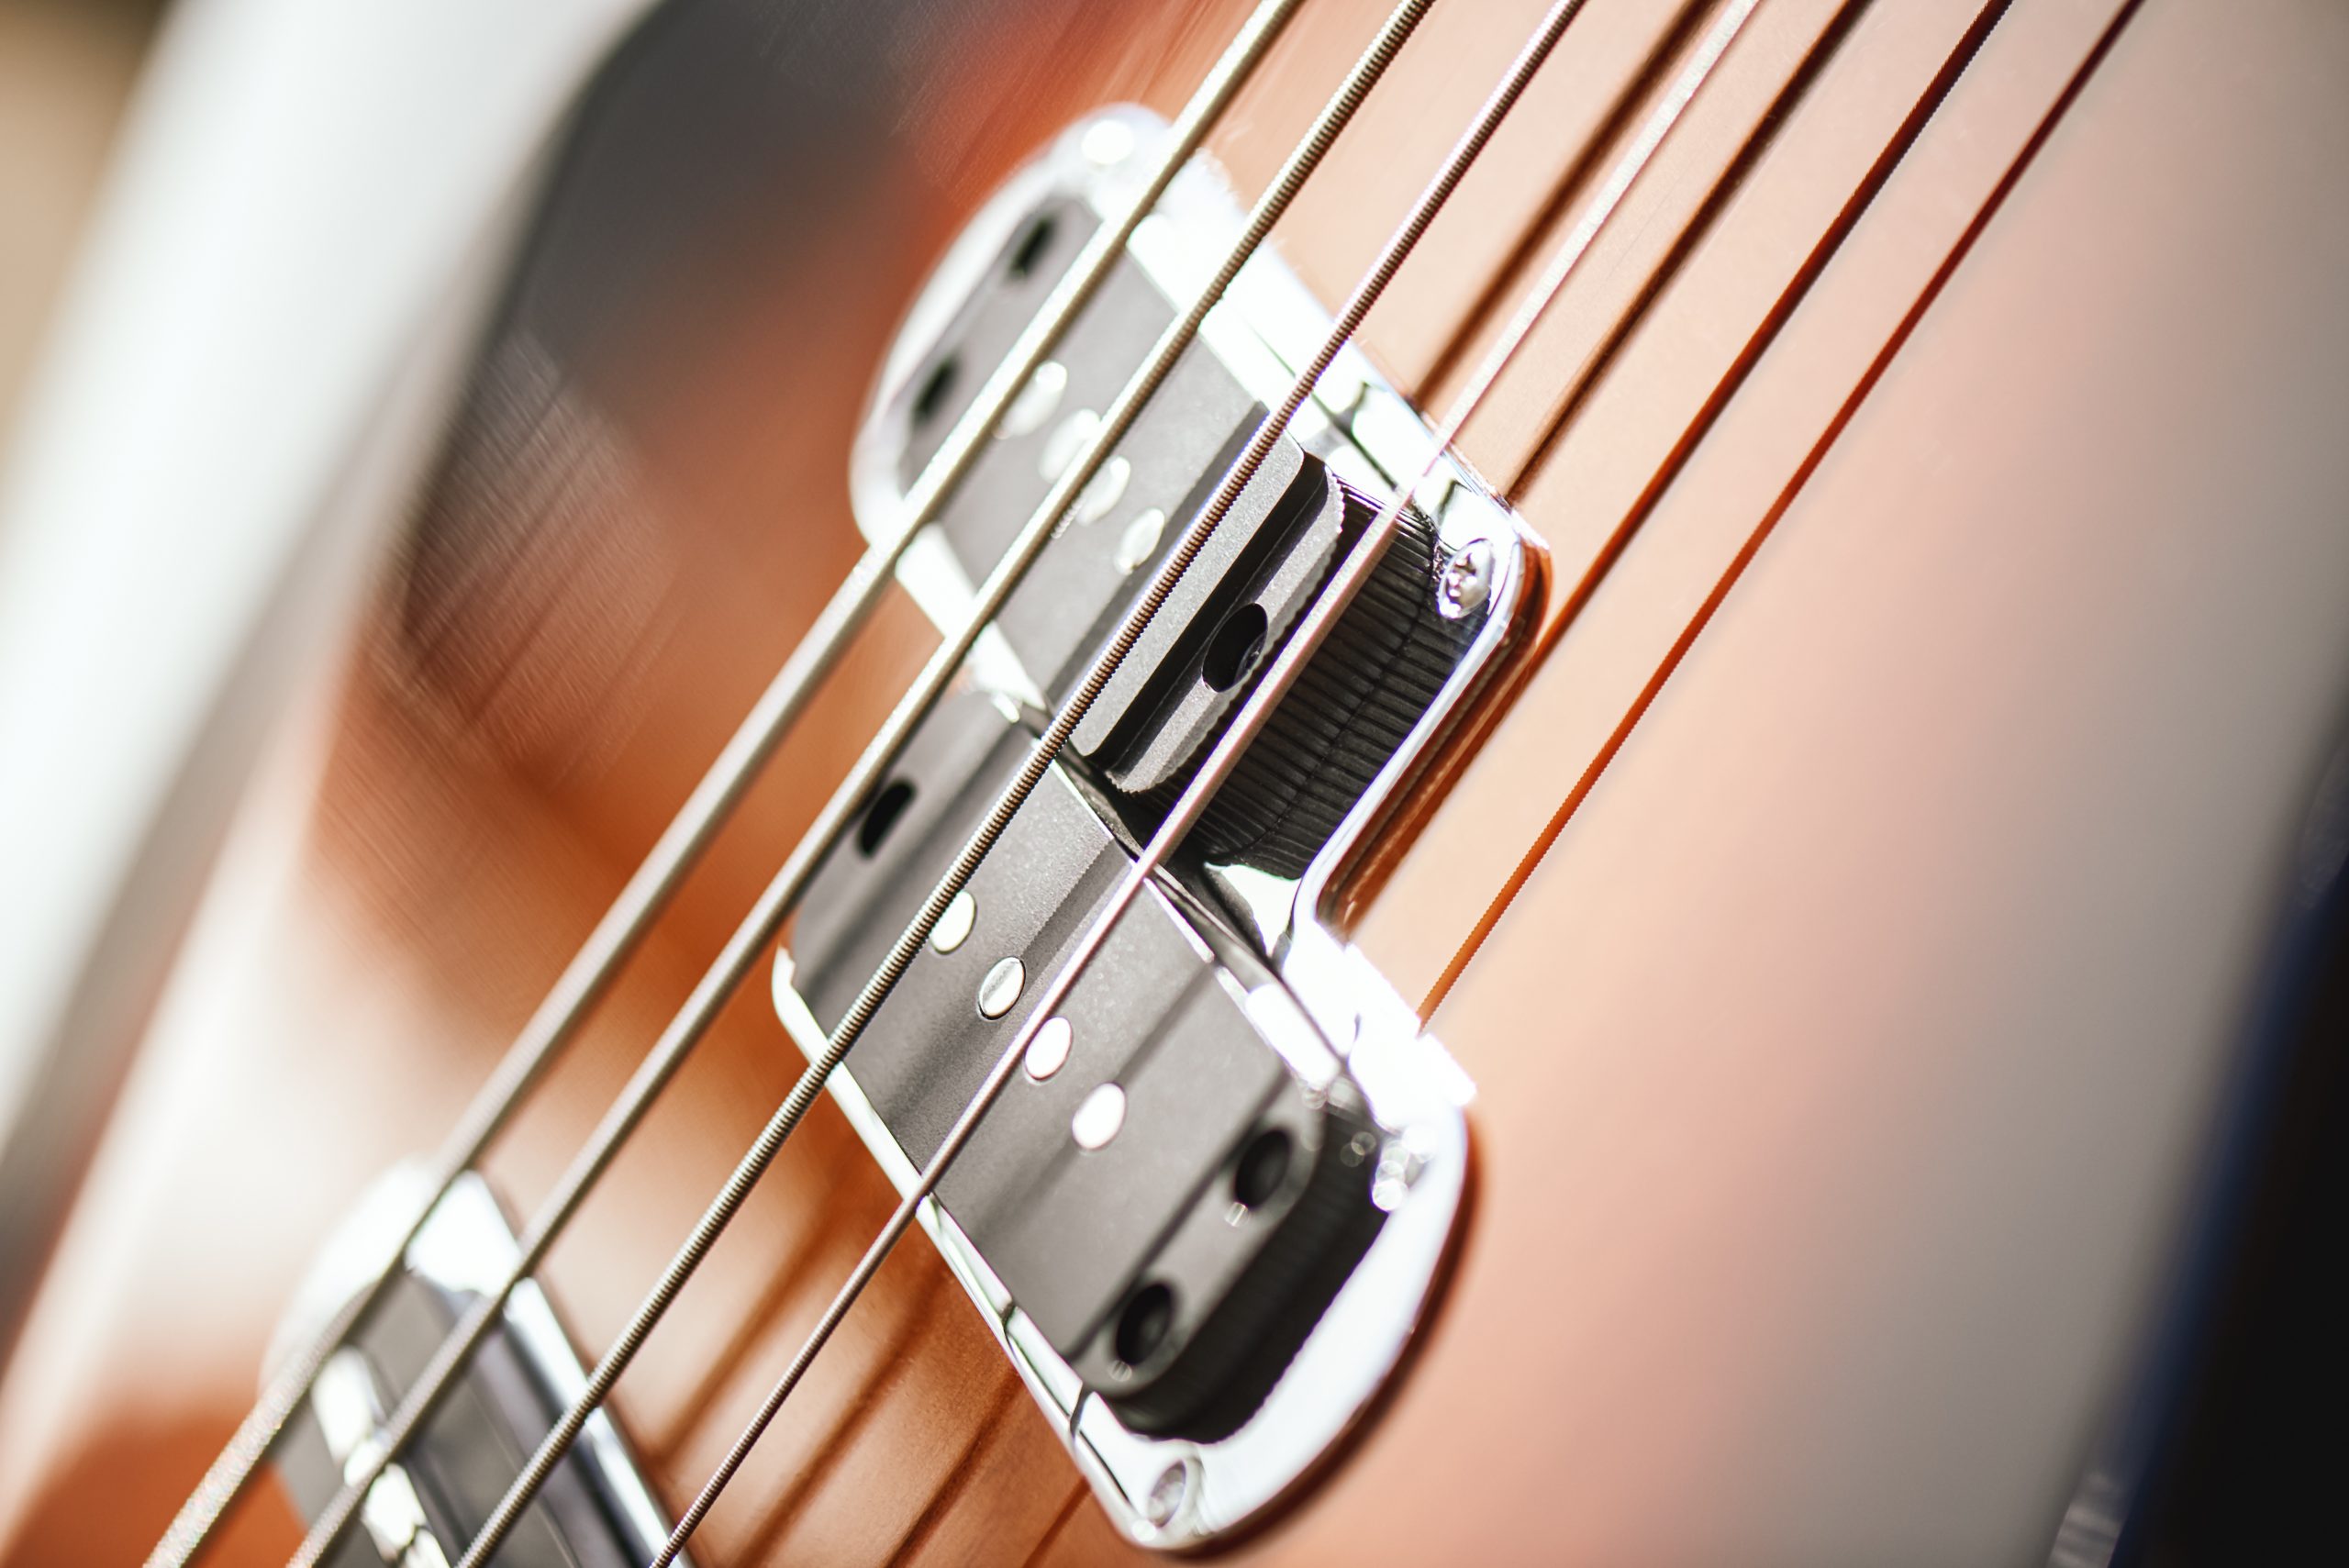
(1466, 578)
(1047, 1050)
(1397, 1174)
(1098, 1118)
(1001, 987)
(954, 922)
(1067, 440)
(1140, 540)
(1035, 402)
(1102, 494)
(1108, 142)
(1166, 1493)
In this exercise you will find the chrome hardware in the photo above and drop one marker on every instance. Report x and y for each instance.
(999, 992)
(1320, 1006)
(1466, 579)
(1166, 1495)
(953, 927)
(421, 1510)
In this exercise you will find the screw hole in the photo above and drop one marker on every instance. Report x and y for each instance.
(1232, 652)
(938, 386)
(1264, 1165)
(1032, 245)
(1144, 1326)
(882, 816)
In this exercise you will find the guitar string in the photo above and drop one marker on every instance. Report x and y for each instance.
(616, 935)
(1039, 529)
(752, 938)
(1250, 721)
(1260, 447)
(877, 989)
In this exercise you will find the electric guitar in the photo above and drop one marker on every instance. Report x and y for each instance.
(1483, 783)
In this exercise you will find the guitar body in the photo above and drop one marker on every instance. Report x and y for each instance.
(1859, 917)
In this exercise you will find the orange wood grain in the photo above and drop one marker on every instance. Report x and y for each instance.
(1651, 493)
(1762, 1103)
(1400, 137)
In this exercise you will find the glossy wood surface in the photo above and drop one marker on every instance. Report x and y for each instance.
(1843, 926)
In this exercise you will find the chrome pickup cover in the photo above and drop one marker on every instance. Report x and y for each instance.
(1208, 1220)
(596, 1510)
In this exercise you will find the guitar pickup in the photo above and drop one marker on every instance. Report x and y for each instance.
(1182, 1175)
(596, 1510)
(1208, 1213)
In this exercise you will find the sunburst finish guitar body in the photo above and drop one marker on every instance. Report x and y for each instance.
(1700, 931)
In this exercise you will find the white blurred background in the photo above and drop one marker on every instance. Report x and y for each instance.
(66, 68)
